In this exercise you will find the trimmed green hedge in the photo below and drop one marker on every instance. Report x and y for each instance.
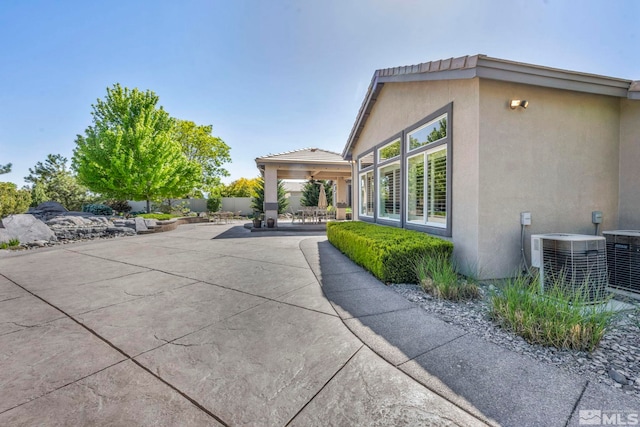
(389, 253)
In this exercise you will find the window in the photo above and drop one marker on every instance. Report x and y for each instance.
(389, 191)
(366, 194)
(389, 151)
(366, 160)
(433, 131)
(406, 179)
(427, 188)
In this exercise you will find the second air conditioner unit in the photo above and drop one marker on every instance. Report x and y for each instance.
(623, 259)
(575, 262)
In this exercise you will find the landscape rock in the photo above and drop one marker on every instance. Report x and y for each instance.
(618, 377)
(51, 207)
(27, 228)
(141, 224)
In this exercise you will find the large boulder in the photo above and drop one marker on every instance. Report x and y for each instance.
(51, 206)
(27, 228)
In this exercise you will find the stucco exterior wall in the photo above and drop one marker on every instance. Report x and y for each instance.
(629, 215)
(400, 105)
(558, 159)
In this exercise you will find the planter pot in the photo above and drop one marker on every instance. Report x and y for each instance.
(271, 223)
(257, 223)
(348, 216)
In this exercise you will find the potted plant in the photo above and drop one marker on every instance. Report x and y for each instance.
(271, 222)
(257, 220)
(348, 213)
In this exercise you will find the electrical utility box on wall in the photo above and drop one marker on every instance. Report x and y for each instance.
(623, 259)
(576, 262)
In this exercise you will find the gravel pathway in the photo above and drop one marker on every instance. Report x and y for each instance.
(616, 361)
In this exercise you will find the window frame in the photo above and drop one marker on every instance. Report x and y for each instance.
(431, 228)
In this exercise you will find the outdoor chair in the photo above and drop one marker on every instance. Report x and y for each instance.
(295, 215)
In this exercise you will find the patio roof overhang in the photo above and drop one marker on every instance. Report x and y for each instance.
(306, 164)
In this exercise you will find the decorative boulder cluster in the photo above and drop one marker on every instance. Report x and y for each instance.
(50, 223)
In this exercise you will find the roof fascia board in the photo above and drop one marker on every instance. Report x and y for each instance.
(493, 69)
(372, 94)
(457, 74)
(302, 162)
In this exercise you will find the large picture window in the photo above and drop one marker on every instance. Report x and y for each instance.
(406, 180)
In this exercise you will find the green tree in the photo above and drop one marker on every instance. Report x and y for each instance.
(12, 200)
(257, 202)
(242, 187)
(311, 192)
(5, 168)
(200, 146)
(52, 180)
(129, 152)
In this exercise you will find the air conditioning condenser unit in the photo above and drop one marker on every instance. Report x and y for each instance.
(623, 259)
(575, 262)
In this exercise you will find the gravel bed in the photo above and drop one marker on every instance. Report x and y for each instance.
(616, 361)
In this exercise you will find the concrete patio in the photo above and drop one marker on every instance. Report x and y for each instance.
(215, 325)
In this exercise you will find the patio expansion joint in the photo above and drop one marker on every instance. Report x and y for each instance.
(123, 353)
(325, 385)
(433, 349)
(64, 385)
(575, 406)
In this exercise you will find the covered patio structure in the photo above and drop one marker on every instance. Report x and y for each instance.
(306, 163)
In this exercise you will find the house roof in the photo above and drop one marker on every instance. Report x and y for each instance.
(315, 155)
(482, 66)
(306, 163)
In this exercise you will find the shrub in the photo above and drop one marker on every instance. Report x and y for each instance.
(214, 203)
(12, 200)
(98, 209)
(159, 217)
(389, 253)
(438, 276)
(12, 243)
(119, 205)
(552, 318)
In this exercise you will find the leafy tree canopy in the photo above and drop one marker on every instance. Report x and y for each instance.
(242, 187)
(129, 152)
(12, 200)
(52, 180)
(5, 168)
(311, 192)
(257, 203)
(208, 151)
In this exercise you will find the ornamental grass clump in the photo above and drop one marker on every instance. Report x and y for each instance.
(437, 275)
(554, 317)
(11, 244)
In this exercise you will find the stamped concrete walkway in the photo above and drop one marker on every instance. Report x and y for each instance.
(215, 325)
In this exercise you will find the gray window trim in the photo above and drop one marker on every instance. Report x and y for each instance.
(404, 155)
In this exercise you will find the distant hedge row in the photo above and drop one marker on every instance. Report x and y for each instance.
(389, 253)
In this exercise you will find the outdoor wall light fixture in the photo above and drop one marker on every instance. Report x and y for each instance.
(515, 103)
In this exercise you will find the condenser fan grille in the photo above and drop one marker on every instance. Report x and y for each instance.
(623, 259)
(579, 267)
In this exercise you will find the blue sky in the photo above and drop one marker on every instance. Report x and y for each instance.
(270, 76)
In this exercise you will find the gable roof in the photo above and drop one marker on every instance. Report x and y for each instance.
(482, 66)
(315, 155)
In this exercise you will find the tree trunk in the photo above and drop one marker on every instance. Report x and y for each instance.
(148, 206)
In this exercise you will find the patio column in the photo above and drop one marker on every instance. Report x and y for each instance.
(271, 192)
(341, 198)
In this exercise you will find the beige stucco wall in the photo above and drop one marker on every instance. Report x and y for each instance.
(557, 159)
(629, 216)
(400, 105)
